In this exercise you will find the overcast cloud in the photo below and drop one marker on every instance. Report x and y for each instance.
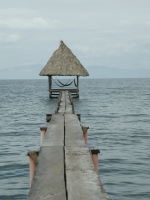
(112, 33)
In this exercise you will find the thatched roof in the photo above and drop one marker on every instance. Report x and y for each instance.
(63, 63)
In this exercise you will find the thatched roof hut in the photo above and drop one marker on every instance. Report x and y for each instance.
(63, 63)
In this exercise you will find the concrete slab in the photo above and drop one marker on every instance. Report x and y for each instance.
(55, 131)
(82, 180)
(73, 131)
(48, 182)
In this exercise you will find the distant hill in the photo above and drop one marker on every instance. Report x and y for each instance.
(32, 72)
(23, 72)
(107, 72)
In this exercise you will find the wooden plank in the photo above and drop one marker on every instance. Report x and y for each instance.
(73, 131)
(48, 182)
(55, 92)
(81, 178)
(55, 131)
(58, 90)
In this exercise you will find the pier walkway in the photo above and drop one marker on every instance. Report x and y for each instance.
(64, 168)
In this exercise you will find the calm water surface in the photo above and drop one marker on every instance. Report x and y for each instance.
(118, 114)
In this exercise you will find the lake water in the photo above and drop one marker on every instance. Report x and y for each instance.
(118, 114)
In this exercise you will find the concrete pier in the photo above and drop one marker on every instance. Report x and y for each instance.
(64, 168)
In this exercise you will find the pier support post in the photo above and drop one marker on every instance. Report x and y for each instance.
(33, 155)
(50, 85)
(43, 132)
(85, 133)
(48, 117)
(77, 86)
(95, 153)
(79, 117)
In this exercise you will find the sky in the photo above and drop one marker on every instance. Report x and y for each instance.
(111, 33)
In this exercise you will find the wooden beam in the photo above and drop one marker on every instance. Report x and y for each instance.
(48, 117)
(77, 86)
(77, 82)
(50, 85)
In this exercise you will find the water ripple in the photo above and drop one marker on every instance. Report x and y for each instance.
(118, 114)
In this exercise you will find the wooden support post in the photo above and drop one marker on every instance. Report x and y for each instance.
(59, 98)
(85, 133)
(50, 86)
(32, 169)
(79, 117)
(48, 117)
(77, 86)
(43, 132)
(95, 153)
(33, 155)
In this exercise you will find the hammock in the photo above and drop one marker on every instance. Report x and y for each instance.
(66, 84)
(62, 84)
